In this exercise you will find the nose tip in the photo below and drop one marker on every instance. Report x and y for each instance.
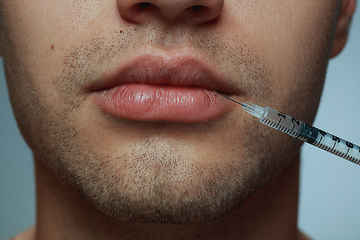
(192, 11)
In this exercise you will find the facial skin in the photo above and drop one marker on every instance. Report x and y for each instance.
(271, 53)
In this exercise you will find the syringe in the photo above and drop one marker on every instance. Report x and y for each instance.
(303, 131)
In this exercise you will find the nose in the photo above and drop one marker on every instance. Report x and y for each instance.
(190, 11)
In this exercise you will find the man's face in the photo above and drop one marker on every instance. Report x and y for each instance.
(122, 100)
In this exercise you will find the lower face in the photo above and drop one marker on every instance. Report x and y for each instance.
(150, 168)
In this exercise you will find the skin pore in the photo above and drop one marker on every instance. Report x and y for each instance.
(101, 177)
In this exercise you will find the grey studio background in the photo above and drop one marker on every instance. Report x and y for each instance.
(330, 186)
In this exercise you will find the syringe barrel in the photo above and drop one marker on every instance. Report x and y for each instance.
(312, 135)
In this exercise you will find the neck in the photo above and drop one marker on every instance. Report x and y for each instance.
(271, 213)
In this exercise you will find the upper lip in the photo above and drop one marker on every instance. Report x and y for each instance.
(183, 68)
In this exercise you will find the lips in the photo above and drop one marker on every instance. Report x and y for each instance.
(158, 86)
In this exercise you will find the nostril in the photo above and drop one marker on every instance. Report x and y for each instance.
(200, 11)
(143, 5)
(197, 8)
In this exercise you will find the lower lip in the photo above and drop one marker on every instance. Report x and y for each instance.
(145, 102)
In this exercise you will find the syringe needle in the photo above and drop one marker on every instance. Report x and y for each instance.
(234, 101)
(303, 131)
(251, 108)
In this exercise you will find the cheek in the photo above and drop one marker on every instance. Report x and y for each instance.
(295, 41)
(34, 35)
(37, 32)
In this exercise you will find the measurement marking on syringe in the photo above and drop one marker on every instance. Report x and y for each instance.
(333, 146)
(278, 123)
(287, 130)
(293, 128)
(347, 152)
